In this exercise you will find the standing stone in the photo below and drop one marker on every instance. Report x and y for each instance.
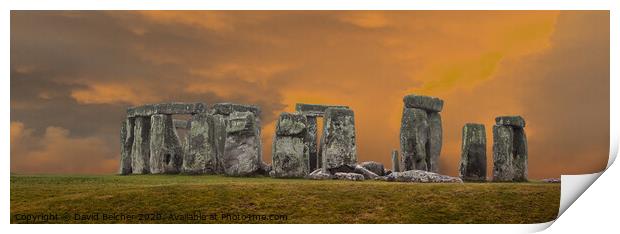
(520, 160)
(127, 127)
(434, 141)
(395, 161)
(242, 146)
(201, 156)
(166, 150)
(473, 166)
(510, 155)
(289, 151)
(503, 137)
(219, 141)
(140, 150)
(311, 142)
(338, 139)
(414, 134)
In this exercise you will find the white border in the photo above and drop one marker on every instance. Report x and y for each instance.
(590, 207)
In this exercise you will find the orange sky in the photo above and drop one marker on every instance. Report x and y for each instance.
(74, 73)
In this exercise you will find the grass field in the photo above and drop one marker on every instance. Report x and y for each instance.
(217, 199)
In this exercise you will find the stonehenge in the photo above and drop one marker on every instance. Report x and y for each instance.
(509, 149)
(421, 133)
(473, 165)
(225, 139)
(221, 140)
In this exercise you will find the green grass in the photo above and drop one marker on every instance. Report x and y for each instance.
(302, 201)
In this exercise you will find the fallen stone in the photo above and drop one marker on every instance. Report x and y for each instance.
(338, 143)
(414, 133)
(516, 121)
(434, 141)
(167, 109)
(427, 103)
(375, 167)
(349, 176)
(140, 149)
(290, 157)
(201, 155)
(473, 164)
(315, 110)
(420, 176)
(291, 124)
(552, 180)
(241, 155)
(127, 127)
(387, 172)
(365, 172)
(319, 174)
(165, 147)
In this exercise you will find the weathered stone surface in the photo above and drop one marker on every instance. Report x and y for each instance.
(516, 121)
(311, 142)
(314, 109)
(265, 169)
(520, 160)
(290, 157)
(219, 141)
(365, 172)
(166, 150)
(228, 108)
(509, 154)
(127, 127)
(421, 177)
(140, 149)
(434, 141)
(291, 124)
(319, 174)
(201, 154)
(395, 161)
(167, 108)
(349, 176)
(414, 135)
(182, 124)
(473, 165)
(375, 167)
(242, 146)
(427, 103)
(338, 143)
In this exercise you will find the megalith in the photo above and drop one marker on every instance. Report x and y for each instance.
(509, 149)
(201, 156)
(473, 165)
(395, 161)
(289, 152)
(166, 152)
(241, 155)
(414, 134)
(140, 149)
(338, 140)
(421, 133)
(127, 128)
